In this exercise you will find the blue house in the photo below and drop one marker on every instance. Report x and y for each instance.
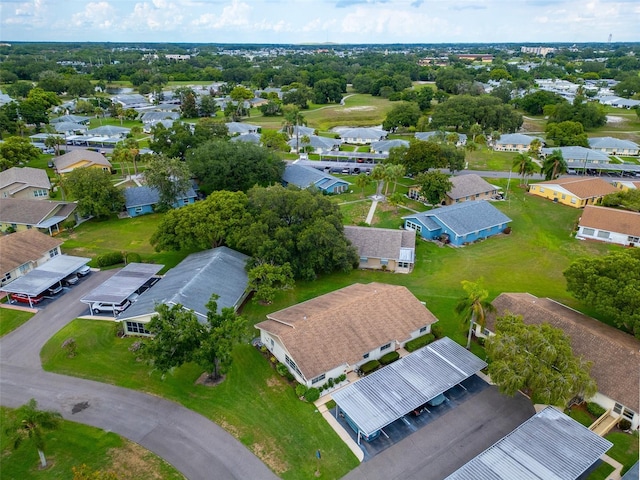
(461, 222)
(305, 177)
(141, 200)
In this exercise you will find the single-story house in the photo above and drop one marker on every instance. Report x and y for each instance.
(514, 142)
(426, 136)
(460, 223)
(132, 100)
(254, 138)
(81, 159)
(610, 225)
(575, 192)
(335, 333)
(20, 214)
(239, 128)
(141, 200)
(383, 248)
(23, 251)
(25, 183)
(383, 146)
(614, 146)
(71, 118)
(70, 128)
(615, 355)
(109, 131)
(299, 131)
(465, 188)
(305, 177)
(316, 144)
(577, 157)
(619, 102)
(625, 185)
(362, 136)
(154, 117)
(191, 284)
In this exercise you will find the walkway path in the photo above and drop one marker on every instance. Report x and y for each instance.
(194, 445)
(372, 211)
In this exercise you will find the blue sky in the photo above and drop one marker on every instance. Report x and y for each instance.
(305, 21)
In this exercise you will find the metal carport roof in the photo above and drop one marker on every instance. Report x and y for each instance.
(45, 276)
(118, 288)
(391, 392)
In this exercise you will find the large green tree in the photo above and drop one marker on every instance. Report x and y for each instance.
(554, 165)
(610, 284)
(421, 156)
(405, 114)
(434, 186)
(15, 151)
(567, 133)
(538, 360)
(170, 177)
(524, 166)
(627, 200)
(94, 191)
(473, 306)
(266, 279)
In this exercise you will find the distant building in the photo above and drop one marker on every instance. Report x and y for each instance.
(304, 177)
(481, 57)
(542, 51)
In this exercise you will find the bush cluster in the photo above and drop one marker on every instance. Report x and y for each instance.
(370, 366)
(388, 358)
(595, 409)
(133, 257)
(437, 331)
(419, 342)
(108, 259)
(624, 425)
(301, 390)
(312, 395)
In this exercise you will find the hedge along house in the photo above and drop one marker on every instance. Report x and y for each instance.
(615, 355)
(191, 284)
(141, 200)
(574, 192)
(459, 224)
(383, 248)
(335, 333)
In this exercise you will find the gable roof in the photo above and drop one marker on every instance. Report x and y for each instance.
(33, 212)
(386, 145)
(63, 162)
(21, 247)
(516, 139)
(109, 130)
(393, 244)
(69, 127)
(362, 132)
(468, 185)
(315, 141)
(25, 177)
(71, 118)
(158, 116)
(464, 218)
(141, 196)
(301, 129)
(582, 187)
(239, 127)
(247, 137)
(340, 326)
(578, 153)
(610, 142)
(614, 354)
(425, 136)
(611, 220)
(191, 283)
(303, 176)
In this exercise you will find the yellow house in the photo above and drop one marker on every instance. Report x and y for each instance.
(575, 192)
(625, 185)
(81, 159)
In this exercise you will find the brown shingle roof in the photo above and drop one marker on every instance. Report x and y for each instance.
(21, 247)
(339, 327)
(32, 212)
(583, 187)
(468, 185)
(611, 220)
(21, 178)
(63, 162)
(615, 355)
(380, 242)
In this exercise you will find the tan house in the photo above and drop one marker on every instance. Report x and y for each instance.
(383, 248)
(625, 185)
(81, 159)
(610, 225)
(515, 142)
(615, 355)
(575, 192)
(25, 182)
(335, 333)
(465, 188)
(23, 251)
(17, 214)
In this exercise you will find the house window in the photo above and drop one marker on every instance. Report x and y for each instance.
(541, 190)
(563, 196)
(40, 193)
(588, 231)
(292, 364)
(364, 259)
(53, 253)
(413, 226)
(185, 201)
(573, 200)
(137, 327)
(633, 239)
(25, 267)
(272, 344)
(628, 414)
(385, 347)
(366, 355)
(384, 261)
(318, 379)
(138, 210)
(423, 329)
(555, 194)
(6, 277)
(603, 234)
(404, 264)
(617, 408)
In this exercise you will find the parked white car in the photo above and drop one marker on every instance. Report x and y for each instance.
(99, 307)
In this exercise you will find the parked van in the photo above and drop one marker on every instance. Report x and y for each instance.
(99, 307)
(55, 290)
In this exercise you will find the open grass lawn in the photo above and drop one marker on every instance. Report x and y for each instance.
(359, 110)
(73, 445)
(254, 403)
(486, 159)
(625, 448)
(602, 472)
(11, 319)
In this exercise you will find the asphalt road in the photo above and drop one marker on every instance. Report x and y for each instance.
(194, 445)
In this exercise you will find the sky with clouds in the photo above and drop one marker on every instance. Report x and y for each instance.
(318, 21)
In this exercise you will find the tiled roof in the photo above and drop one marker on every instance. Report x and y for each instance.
(157, 116)
(71, 118)
(610, 142)
(239, 127)
(247, 137)
(303, 177)
(22, 247)
(32, 212)
(381, 242)
(469, 185)
(339, 327)
(614, 354)
(24, 177)
(109, 130)
(611, 220)
(582, 187)
(63, 162)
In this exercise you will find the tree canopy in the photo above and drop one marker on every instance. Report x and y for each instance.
(434, 186)
(15, 151)
(170, 177)
(489, 112)
(421, 156)
(94, 191)
(567, 133)
(627, 200)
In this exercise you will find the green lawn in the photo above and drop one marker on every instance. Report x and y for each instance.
(11, 319)
(486, 159)
(74, 444)
(359, 110)
(625, 448)
(253, 403)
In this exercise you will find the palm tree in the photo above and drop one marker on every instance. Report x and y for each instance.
(474, 306)
(396, 199)
(392, 173)
(524, 166)
(362, 181)
(31, 424)
(378, 175)
(475, 130)
(535, 146)
(554, 165)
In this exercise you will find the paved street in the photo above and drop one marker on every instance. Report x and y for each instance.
(197, 447)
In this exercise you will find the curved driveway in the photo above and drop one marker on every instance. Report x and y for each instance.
(194, 445)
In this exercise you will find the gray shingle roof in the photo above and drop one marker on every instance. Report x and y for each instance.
(578, 153)
(24, 177)
(516, 139)
(71, 118)
(381, 242)
(141, 196)
(610, 142)
(238, 127)
(32, 212)
(247, 137)
(191, 283)
(303, 176)
(69, 127)
(469, 185)
(364, 133)
(74, 156)
(386, 145)
(424, 136)
(109, 131)
(301, 129)
(157, 116)
(315, 141)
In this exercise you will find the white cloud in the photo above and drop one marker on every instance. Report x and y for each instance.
(157, 15)
(396, 23)
(95, 15)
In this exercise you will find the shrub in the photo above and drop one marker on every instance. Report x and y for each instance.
(312, 395)
(624, 425)
(370, 366)
(273, 359)
(289, 376)
(301, 390)
(108, 259)
(416, 343)
(342, 378)
(118, 329)
(389, 358)
(136, 346)
(330, 383)
(330, 404)
(133, 257)
(70, 346)
(437, 331)
(595, 409)
(281, 369)
(69, 224)
(263, 349)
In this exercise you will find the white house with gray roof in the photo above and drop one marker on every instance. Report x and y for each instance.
(614, 146)
(191, 283)
(577, 156)
(239, 128)
(316, 144)
(303, 176)
(435, 135)
(514, 142)
(383, 248)
(383, 146)
(362, 136)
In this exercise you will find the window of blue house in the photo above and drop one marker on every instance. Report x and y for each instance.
(138, 210)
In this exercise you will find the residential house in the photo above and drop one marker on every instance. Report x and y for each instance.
(514, 142)
(614, 146)
(110, 131)
(619, 102)
(23, 251)
(615, 355)
(303, 176)
(254, 138)
(132, 100)
(362, 136)
(141, 200)
(460, 223)
(577, 157)
(150, 118)
(25, 183)
(575, 192)
(610, 225)
(191, 283)
(465, 188)
(316, 144)
(383, 248)
(335, 333)
(82, 120)
(625, 185)
(19, 214)
(384, 146)
(70, 128)
(299, 131)
(239, 128)
(81, 159)
(482, 57)
(441, 135)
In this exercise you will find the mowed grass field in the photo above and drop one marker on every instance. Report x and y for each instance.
(11, 319)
